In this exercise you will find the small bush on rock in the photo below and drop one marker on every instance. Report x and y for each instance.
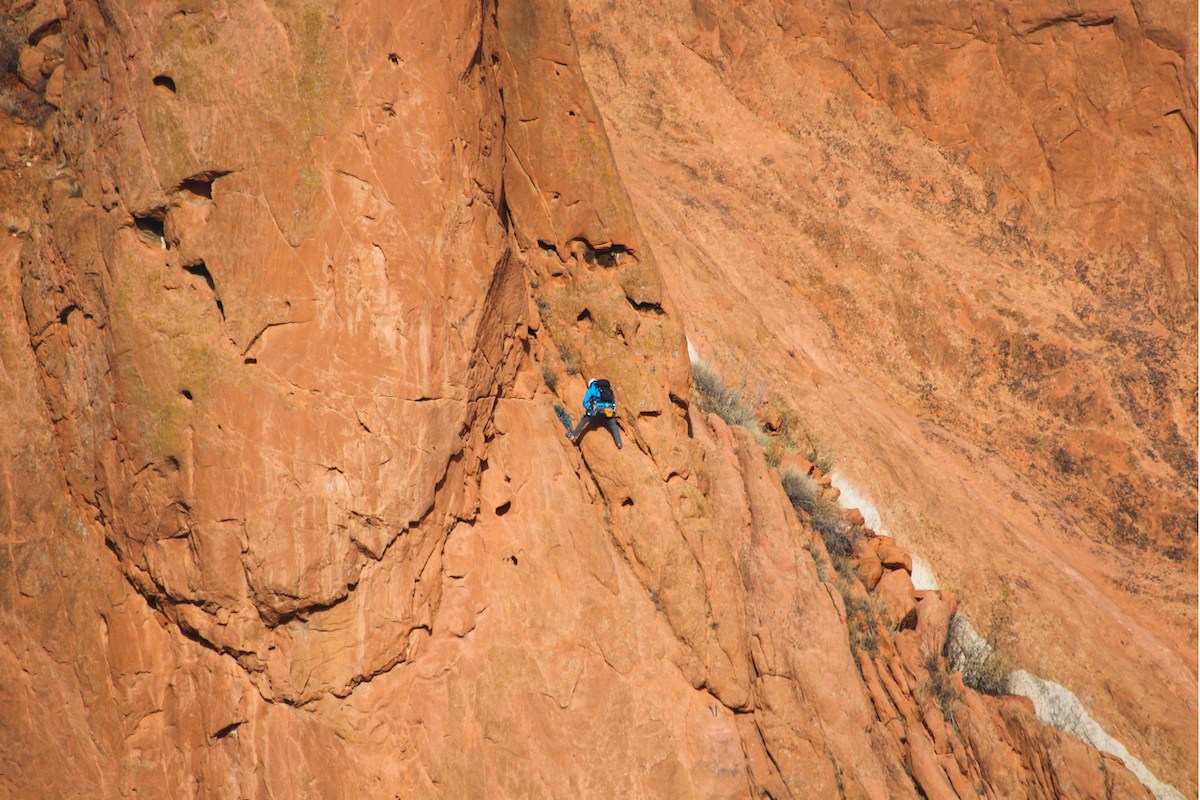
(820, 455)
(569, 361)
(984, 668)
(860, 621)
(824, 513)
(10, 51)
(713, 395)
(818, 557)
(550, 377)
(940, 686)
(990, 676)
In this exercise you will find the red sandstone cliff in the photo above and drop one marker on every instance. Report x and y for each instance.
(961, 240)
(286, 510)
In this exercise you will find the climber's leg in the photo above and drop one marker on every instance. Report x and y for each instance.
(616, 431)
(583, 423)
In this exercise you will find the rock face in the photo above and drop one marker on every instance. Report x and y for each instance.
(959, 239)
(289, 294)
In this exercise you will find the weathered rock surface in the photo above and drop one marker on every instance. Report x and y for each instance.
(866, 563)
(288, 294)
(960, 239)
(898, 599)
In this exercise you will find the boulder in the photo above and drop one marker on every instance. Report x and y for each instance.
(866, 563)
(892, 556)
(54, 87)
(933, 620)
(895, 591)
(770, 418)
(796, 463)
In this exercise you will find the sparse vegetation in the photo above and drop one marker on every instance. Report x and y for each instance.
(824, 513)
(774, 453)
(984, 667)
(860, 620)
(789, 424)
(820, 455)
(991, 675)
(550, 377)
(715, 396)
(16, 99)
(825, 517)
(657, 600)
(785, 433)
(10, 51)
(940, 686)
(734, 406)
(818, 557)
(570, 363)
(860, 612)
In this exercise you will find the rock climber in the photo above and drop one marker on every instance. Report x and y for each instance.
(599, 403)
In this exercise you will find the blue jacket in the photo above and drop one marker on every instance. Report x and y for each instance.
(590, 397)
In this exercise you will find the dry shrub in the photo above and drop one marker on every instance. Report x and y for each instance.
(550, 377)
(819, 454)
(10, 50)
(984, 668)
(824, 513)
(716, 397)
(569, 361)
(941, 686)
(860, 621)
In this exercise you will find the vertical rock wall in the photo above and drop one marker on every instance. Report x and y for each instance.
(290, 294)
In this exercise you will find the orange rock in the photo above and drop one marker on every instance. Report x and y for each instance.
(770, 418)
(869, 570)
(950, 599)
(926, 770)
(895, 591)
(795, 463)
(939, 732)
(885, 710)
(908, 662)
(963, 785)
(935, 448)
(933, 621)
(54, 87)
(893, 557)
(866, 563)
(287, 511)
(853, 517)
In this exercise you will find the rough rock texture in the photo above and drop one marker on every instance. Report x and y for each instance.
(960, 240)
(287, 298)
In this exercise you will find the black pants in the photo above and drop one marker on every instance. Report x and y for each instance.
(589, 418)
